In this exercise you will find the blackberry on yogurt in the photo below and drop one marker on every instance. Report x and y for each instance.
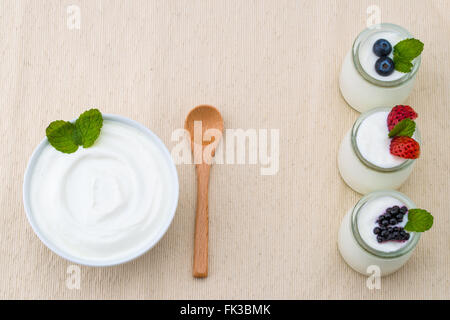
(387, 229)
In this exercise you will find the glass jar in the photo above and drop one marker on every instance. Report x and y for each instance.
(358, 254)
(359, 173)
(363, 91)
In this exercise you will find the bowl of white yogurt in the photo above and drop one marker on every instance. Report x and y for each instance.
(103, 205)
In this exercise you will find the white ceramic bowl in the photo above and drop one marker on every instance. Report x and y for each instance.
(145, 246)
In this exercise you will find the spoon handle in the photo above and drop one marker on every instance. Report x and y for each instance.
(201, 223)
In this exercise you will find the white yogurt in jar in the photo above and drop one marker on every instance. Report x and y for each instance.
(361, 86)
(105, 204)
(358, 244)
(374, 168)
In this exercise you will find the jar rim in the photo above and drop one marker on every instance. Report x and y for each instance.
(367, 163)
(415, 236)
(363, 36)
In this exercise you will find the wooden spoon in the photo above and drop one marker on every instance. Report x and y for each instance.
(212, 124)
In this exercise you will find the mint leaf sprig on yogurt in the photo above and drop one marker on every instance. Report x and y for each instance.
(66, 136)
(419, 220)
(405, 128)
(405, 52)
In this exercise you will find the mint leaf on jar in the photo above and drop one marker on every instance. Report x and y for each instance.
(406, 127)
(405, 52)
(419, 220)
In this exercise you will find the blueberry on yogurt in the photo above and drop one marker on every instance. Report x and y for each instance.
(382, 47)
(384, 66)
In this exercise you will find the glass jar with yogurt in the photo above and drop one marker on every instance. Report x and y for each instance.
(361, 86)
(358, 244)
(364, 159)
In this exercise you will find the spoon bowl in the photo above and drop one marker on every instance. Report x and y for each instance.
(209, 118)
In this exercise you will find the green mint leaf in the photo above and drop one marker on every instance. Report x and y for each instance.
(408, 49)
(405, 52)
(65, 136)
(88, 126)
(60, 136)
(419, 220)
(402, 65)
(406, 128)
(77, 137)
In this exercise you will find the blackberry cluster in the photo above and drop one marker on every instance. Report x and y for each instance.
(386, 229)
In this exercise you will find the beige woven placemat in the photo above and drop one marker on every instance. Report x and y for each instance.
(264, 64)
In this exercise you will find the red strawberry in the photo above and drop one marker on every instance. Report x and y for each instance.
(405, 147)
(398, 113)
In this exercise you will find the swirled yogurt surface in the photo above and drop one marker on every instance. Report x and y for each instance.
(106, 203)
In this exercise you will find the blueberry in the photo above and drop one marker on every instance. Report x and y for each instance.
(395, 209)
(399, 216)
(384, 233)
(384, 66)
(382, 47)
(379, 239)
(384, 222)
(393, 221)
(407, 236)
(403, 209)
(387, 215)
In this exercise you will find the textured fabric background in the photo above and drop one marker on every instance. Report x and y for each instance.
(264, 64)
